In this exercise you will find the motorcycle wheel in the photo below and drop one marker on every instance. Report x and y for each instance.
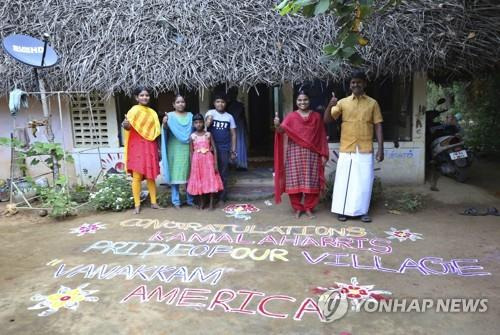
(461, 174)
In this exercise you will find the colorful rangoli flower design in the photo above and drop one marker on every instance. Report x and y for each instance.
(356, 294)
(87, 228)
(403, 235)
(240, 211)
(64, 298)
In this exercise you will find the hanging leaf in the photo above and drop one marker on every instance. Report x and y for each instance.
(282, 4)
(308, 10)
(356, 59)
(321, 7)
(329, 49)
(362, 41)
(348, 51)
(365, 11)
(351, 39)
(350, 17)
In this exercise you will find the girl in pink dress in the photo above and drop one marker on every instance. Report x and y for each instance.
(204, 177)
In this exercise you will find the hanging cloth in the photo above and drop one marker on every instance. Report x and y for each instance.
(17, 99)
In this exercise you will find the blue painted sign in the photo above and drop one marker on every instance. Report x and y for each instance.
(30, 51)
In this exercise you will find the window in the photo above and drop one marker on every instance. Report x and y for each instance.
(89, 120)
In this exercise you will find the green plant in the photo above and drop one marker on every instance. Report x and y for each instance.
(351, 15)
(80, 194)
(54, 151)
(113, 193)
(57, 198)
(164, 198)
(404, 201)
(51, 154)
(477, 103)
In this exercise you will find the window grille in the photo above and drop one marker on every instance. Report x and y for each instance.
(89, 129)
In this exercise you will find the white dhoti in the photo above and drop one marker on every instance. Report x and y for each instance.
(352, 189)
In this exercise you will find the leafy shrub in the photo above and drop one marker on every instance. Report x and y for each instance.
(57, 199)
(404, 201)
(113, 193)
(164, 199)
(80, 194)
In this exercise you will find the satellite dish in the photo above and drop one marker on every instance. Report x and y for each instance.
(30, 51)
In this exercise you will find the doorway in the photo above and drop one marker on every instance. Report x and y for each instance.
(261, 109)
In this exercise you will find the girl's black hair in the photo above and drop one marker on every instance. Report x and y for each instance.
(303, 92)
(179, 95)
(139, 89)
(198, 117)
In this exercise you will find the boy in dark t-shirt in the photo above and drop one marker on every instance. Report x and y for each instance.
(223, 129)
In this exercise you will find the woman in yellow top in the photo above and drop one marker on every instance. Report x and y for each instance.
(142, 127)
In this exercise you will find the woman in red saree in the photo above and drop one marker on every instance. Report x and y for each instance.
(300, 154)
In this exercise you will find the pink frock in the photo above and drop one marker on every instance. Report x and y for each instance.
(203, 179)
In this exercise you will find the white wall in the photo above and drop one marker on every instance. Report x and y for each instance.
(34, 112)
(83, 157)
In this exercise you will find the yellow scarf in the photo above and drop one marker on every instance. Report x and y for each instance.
(145, 121)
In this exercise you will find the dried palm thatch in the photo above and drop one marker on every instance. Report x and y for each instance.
(112, 45)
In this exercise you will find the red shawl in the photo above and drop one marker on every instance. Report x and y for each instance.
(308, 133)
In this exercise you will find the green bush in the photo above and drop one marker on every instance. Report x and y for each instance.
(57, 198)
(114, 193)
(80, 194)
(478, 103)
(164, 199)
(404, 201)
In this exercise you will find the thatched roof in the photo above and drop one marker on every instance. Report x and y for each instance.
(112, 45)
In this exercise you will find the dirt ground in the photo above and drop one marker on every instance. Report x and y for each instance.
(146, 288)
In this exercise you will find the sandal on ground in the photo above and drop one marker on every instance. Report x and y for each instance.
(298, 214)
(366, 218)
(137, 210)
(155, 206)
(342, 218)
(493, 211)
(472, 211)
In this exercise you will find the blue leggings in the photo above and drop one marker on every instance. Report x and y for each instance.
(176, 197)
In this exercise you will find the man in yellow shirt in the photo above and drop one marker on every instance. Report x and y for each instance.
(360, 114)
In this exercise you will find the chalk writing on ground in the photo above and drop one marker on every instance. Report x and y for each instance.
(356, 294)
(374, 245)
(64, 298)
(163, 273)
(227, 300)
(144, 249)
(248, 229)
(426, 265)
(240, 211)
(54, 262)
(403, 235)
(87, 228)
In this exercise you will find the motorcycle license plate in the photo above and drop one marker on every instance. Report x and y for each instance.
(458, 154)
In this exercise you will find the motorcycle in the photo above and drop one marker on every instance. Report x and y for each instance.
(445, 146)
